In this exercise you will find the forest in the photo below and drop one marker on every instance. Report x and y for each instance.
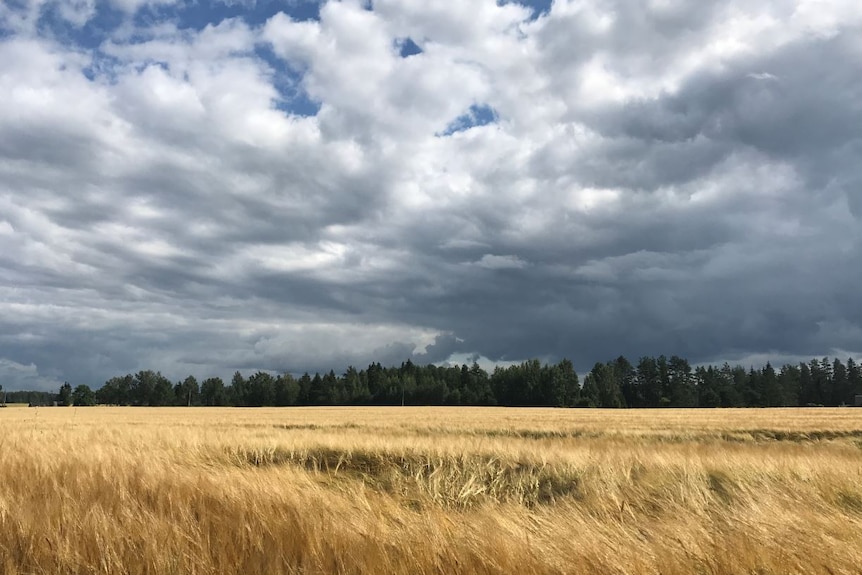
(652, 382)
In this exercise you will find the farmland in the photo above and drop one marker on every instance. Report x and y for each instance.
(429, 490)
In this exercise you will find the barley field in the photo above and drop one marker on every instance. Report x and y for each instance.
(429, 490)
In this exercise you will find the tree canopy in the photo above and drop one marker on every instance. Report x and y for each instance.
(652, 382)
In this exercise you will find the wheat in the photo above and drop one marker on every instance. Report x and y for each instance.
(429, 490)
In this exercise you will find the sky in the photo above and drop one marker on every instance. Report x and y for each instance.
(204, 187)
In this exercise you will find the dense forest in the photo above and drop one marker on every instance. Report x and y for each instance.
(653, 382)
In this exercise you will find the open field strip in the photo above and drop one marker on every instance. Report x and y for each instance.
(429, 490)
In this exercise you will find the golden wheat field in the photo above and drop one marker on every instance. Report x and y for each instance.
(429, 490)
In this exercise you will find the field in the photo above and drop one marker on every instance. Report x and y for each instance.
(429, 490)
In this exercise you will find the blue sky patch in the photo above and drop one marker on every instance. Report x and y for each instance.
(187, 16)
(298, 103)
(195, 15)
(198, 15)
(477, 115)
(288, 82)
(89, 36)
(407, 47)
(102, 67)
(539, 7)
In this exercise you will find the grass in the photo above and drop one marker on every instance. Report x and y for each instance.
(429, 490)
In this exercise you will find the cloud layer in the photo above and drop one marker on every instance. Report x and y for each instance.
(200, 191)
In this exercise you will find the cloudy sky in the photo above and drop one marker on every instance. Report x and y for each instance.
(289, 186)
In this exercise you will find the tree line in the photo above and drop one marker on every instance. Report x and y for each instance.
(652, 382)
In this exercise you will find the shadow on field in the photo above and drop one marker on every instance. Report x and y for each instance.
(451, 480)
